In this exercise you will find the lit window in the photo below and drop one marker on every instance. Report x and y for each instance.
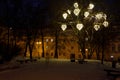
(46, 40)
(51, 40)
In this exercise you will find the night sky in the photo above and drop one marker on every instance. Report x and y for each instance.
(21, 12)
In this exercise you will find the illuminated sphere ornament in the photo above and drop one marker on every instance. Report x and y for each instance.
(91, 6)
(76, 11)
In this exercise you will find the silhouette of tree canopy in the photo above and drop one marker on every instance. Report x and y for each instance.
(22, 13)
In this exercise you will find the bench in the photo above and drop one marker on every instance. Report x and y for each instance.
(72, 59)
(23, 61)
(113, 72)
(81, 61)
(33, 60)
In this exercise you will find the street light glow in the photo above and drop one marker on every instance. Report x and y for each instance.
(88, 23)
(47, 40)
(52, 40)
(38, 42)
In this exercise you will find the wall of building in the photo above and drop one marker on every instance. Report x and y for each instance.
(66, 47)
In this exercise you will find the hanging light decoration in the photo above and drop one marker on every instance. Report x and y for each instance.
(63, 26)
(105, 16)
(69, 12)
(105, 23)
(65, 15)
(91, 6)
(38, 42)
(86, 14)
(98, 19)
(96, 27)
(99, 15)
(47, 40)
(75, 5)
(79, 26)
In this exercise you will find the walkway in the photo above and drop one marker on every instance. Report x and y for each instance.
(56, 70)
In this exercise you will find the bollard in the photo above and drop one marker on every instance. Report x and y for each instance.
(114, 64)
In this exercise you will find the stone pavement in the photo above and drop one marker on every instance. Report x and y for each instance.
(55, 69)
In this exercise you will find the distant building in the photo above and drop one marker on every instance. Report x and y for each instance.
(67, 45)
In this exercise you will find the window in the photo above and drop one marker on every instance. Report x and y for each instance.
(64, 54)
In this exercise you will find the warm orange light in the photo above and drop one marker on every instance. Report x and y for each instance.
(38, 42)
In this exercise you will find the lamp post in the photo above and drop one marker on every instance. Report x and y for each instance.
(84, 22)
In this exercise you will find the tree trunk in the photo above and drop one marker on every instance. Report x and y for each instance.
(98, 53)
(102, 60)
(25, 49)
(91, 52)
(56, 44)
(42, 44)
(8, 43)
(31, 45)
(83, 50)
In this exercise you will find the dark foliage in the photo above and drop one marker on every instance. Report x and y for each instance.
(8, 52)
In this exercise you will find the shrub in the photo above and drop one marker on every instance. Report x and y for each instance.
(7, 52)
